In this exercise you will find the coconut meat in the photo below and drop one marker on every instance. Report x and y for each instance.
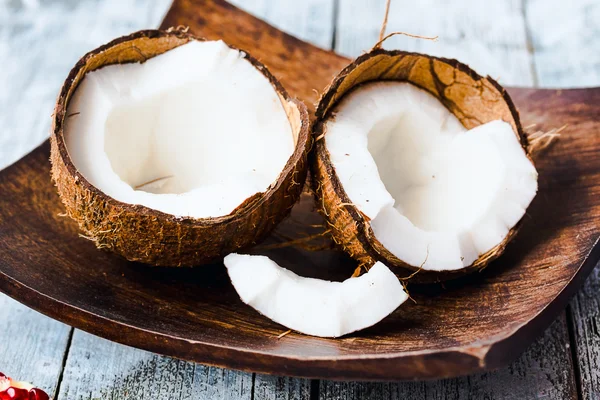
(192, 132)
(313, 306)
(436, 194)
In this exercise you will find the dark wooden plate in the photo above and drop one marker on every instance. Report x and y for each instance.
(480, 322)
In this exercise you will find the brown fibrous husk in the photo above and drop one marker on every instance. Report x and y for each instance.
(139, 233)
(473, 99)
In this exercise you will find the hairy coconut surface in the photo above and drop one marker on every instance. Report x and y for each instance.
(314, 306)
(420, 163)
(172, 150)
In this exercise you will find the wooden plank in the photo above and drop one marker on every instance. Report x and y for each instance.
(586, 331)
(267, 387)
(32, 346)
(565, 36)
(39, 43)
(99, 369)
(490, 36)
(310, 20)
(543, 372)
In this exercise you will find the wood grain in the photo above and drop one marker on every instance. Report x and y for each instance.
(270, 387)
(32, 347)
(565, 38)
(586, 330)
(308, 20)
(488, 36)
(99, 369)
(32, 35)
(543, 372)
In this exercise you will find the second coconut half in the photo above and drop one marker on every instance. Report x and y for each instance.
(420, 163)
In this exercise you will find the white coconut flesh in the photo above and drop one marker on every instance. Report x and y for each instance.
(192, 132)
(437, 194)
(313, 306)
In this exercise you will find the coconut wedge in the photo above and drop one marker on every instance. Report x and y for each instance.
(172, 150)
(421, 164)
(314, 306)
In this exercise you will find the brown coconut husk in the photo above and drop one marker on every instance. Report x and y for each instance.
(473, 99)
(139, 233)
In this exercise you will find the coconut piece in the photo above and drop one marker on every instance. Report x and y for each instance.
(172, 150)
(422, 164)
(314, 306)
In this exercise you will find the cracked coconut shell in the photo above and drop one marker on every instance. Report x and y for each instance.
(144, 234)
(474, 100)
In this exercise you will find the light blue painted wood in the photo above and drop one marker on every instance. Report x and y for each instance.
(490, 36)
(585, 309)
(267, 387)
(565, 36)
(310, 20)
(32, 346)
(40, 41)
(99, 369)
(543, 372)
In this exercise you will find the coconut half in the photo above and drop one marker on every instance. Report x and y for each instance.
(172, 150)
(314, 306)
(420, 164)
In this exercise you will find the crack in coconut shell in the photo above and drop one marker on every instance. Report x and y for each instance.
(473, 99)
(140, 233)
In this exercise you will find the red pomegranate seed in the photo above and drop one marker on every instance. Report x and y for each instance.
(14, 394)
(38, 394)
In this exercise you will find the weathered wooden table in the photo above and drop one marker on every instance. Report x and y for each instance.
(547, 43)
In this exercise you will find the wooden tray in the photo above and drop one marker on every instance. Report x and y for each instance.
(480, 322)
